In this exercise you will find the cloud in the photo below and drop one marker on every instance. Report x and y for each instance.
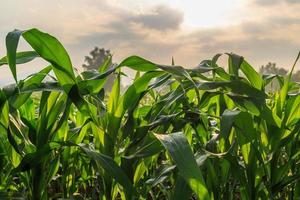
(152, 34)
(257, 51)
(275, 2)
(267, 2)
(259, 42)
(293, 1)
(129, 38)
(162, 18)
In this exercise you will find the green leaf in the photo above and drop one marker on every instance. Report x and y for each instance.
(31, 160)
(254, 78)
(109, 165)
(179, 149)
(234, 63)
(181, 190)
(29, 85)
(234, 86)
(50, 49)
(93, 81)
(138, 63)
(163, 172)
(12, 41)
(227, 120)
(54, 167)
(114, 96)
(21, 57)
(150, 146)
(176, 70)
(132, 94)
(285, 88)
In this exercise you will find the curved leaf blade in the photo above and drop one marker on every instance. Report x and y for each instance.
(179, 149)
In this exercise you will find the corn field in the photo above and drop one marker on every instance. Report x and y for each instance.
(205, 133)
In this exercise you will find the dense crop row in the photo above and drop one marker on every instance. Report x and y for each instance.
(174, 133)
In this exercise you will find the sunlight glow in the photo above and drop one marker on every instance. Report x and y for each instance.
(197, 14)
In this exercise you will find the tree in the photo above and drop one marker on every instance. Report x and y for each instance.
(271, 68)
(97, 58)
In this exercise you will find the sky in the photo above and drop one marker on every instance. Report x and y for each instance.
(189, 30)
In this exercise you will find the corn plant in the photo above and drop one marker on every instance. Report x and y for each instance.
(208, 132)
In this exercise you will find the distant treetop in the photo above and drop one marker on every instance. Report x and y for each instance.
(271, 68)
(97, 57)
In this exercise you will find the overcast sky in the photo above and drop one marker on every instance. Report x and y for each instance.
(188, 30)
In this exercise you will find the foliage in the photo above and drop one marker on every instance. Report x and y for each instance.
(196, 136)
(271, 68)
(99, 57)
